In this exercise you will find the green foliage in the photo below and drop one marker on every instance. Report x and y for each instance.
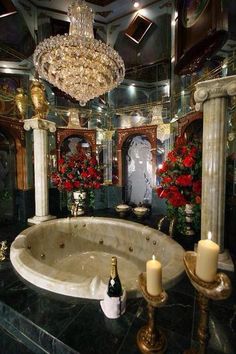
(5, 195)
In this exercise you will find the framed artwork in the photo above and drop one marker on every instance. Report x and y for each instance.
(201, 30)
(192, 10)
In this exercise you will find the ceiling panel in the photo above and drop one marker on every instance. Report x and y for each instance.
(101, 2)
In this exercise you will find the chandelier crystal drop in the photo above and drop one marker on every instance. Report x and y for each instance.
(78, 64)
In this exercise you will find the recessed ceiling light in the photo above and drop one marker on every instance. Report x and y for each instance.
(136, 4)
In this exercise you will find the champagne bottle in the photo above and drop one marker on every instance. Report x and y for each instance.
(114, 284)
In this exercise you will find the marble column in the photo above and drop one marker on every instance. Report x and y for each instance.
(40, 133)
(212, 97)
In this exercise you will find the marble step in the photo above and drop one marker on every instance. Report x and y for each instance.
(11, 345)
(32, 336)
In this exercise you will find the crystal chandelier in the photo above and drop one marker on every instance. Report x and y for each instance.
(78, 64)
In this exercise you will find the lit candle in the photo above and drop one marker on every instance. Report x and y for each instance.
(207, 259)
(154, 277)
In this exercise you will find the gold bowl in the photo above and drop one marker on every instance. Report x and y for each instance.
(122, 209)
(140, 211)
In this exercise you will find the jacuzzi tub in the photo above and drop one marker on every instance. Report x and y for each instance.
(73, 256)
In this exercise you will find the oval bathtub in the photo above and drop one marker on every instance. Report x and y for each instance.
(73, 256)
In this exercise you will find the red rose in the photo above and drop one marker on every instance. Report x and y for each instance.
(197, 187)
(184, 180)
(162, 193)
(61, 161)
(93, 161)
(172, 156)
(84, 174)
(193, 151)
(198, 200)
(96, 185)
(92, 172)
(184, 150)
(173, 189)
(62, 169)
(188, 161)
(77, 184)
(177, 199)
(166, 179)
(68, 185)
(71, 175)
(71, 163)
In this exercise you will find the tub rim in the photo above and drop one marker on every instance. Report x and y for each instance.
(34, 270)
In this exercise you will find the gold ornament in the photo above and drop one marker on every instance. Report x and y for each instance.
(41, 105)
(21, 100)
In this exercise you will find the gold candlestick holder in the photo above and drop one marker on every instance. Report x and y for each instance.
(219, 289)
(149, 338)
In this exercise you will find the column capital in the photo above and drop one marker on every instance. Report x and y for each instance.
(206, 90)
(108, 134)
(40, 124)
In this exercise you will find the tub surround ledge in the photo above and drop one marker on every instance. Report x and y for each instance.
(72, 256)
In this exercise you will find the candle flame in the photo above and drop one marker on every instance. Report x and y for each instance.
(153, 257)
(209, 235)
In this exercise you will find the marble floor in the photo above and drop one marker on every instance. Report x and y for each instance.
(34, 321)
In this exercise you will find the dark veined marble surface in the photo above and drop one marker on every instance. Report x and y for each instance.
(36, 321)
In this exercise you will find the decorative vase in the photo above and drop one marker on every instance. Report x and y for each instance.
(189, 219)
(21, 100)
(79, 203)
(40, 103)
(80, 197)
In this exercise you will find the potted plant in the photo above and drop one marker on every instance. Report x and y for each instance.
(79, 173)
(180, 185)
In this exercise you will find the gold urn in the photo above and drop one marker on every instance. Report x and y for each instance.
(41, 105)
(21, 100)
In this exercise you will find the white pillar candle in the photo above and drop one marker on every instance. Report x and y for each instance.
(207, 259)
(154, 277)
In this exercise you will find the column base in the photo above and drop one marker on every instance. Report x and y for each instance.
(40, 219)
(225, 261)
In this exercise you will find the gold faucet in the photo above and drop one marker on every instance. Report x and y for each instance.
(3, 250)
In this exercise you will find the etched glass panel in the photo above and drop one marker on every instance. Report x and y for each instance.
(139, 165)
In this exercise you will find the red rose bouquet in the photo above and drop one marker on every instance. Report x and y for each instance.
(180, 181)
(78, 172)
